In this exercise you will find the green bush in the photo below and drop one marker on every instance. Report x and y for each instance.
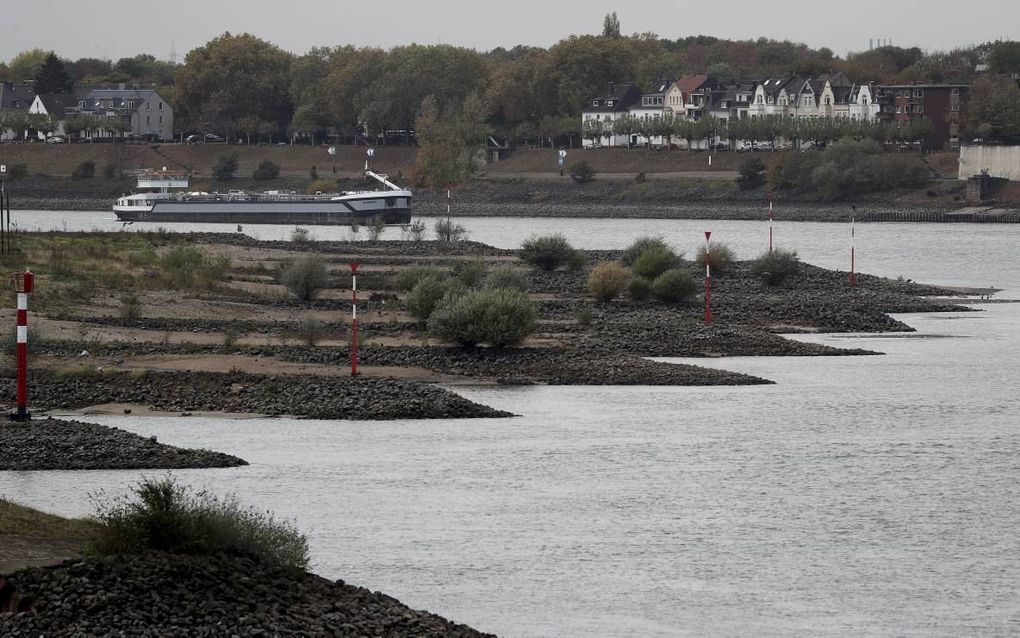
(501, 317)
(655, 260)
(752, 174)
(407, 278)
(266, 170)
(674, 285)
(130, 307)
(17, 171)
(582, 172)
(305, 277)
(310, 330)
(300, 235)
(189, 267)
(506, 277)
(774, 267)
(577, 261)
(639, 288)
(85, 170)
(720, 256)
(168, 517)
(548, 252)
(470, 273)
(640, 245)
(607, 280)
(447, 230)
(225, 167)
(424, 298)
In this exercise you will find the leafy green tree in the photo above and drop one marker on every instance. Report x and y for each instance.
(53, 77)
(752, 174)
(231, 77)
(994, 112)
(144, 68)
(225, 167)
(27, 64)
(438, 161)
(611, 26)
(1004, 57)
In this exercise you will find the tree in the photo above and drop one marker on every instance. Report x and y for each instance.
(26, 65)
(994, 112)
(231, 77)
(752, 174)
(225, 167)
(611, 26)
(1004, 57)
(438, 162)
(305, 277)
(53, 77)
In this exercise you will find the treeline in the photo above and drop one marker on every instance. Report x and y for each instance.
(239, 85)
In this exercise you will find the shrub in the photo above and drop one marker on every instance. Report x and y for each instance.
(313, 173)
(774, 267)
(584, 317)
(266, 170)
(310, 330)
(547, 253)
(577, 260)
(640, 245)
(110, 170)
(720, 257)
(130, 307)
(376, 228)
(582, 172)
(424, 298)
(188, 267)
(168, 517)
(305, 277)
(85, 170)
(639, 288)
(655, 260)
(300, 235)
(506, 277)
(752, 174)
(17, 171)
(607, 280)
(500, 317)
(470, 273)
(408, 277)
(225, 167)
(230, 337)
(673, 285)
(447, 230)
(416, 230)
(640, 178)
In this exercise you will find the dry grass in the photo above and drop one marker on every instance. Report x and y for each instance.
(24, 521)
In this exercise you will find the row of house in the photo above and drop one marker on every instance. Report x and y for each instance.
(141, 113)
(830, 95)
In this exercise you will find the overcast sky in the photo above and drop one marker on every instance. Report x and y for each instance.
(114, 29)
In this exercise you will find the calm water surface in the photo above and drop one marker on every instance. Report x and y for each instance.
(858, 495)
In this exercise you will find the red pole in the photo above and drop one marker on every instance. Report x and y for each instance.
(853, 232)
(26, 282)
(354, 318)
(708, 278)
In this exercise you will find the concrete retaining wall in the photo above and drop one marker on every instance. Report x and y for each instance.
(999, 161)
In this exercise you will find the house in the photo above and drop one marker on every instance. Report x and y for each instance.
(15, 99)
(59, 107)
(945, 105)
(140, 112)
(601, 112)
(689, 95)
(652, 106)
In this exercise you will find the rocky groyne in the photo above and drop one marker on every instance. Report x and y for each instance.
(159, 594)
(305, 396)
(53, 444)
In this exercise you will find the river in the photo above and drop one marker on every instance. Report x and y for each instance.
(858, 495)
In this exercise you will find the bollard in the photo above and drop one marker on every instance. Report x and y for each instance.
(708, 278)
(23, 283)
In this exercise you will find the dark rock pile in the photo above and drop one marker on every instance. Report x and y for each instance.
(306, 396)
(158, 594)
(51, 444)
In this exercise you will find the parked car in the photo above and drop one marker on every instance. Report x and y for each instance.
(55, 139)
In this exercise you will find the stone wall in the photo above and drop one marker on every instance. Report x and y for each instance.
(999, 161)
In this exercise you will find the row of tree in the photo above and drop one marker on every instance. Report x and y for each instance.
(769, 129)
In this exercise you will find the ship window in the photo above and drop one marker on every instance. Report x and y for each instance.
(391, 202)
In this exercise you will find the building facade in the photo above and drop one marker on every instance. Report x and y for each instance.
(944, 105)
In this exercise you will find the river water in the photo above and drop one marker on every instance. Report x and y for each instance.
(858, 495)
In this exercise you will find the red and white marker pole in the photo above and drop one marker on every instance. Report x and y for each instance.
(708, 278)
(853, 233)
(23, 285)
(354, 318)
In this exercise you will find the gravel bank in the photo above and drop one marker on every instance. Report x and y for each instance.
(53, 444)
(306, 396)
(158, 594)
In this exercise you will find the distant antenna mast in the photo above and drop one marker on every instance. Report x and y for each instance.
(173, 52)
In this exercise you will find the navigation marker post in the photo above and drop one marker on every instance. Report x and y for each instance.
(708, 278)
(369, 154)
(563, 158)
(354, 318)
(853, 233)
(770, 223)
(332, 151)
(23, 283)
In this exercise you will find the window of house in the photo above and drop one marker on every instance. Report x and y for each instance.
(147, 118)
(919, 108)
(918, 92)
(595, 103)
(160, 119)
(609, 103)
(906, 109)
(131, 104)
(955, 107)
(954, 92)
(160, 106)
(81, 104)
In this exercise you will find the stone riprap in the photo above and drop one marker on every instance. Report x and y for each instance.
(54, 444)
(158, 594)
